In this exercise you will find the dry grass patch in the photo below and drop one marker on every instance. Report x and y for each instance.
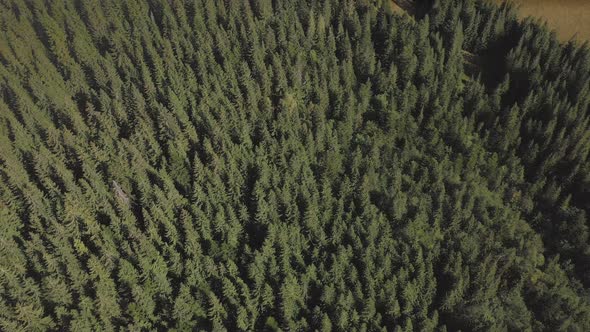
(571, 18)
(403, 7)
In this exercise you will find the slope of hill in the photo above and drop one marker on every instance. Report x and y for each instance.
(291, 166)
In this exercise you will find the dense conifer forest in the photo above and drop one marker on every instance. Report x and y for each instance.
(297, 165)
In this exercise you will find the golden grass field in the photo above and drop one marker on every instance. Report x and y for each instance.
(568, 17)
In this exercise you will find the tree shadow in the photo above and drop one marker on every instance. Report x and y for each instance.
(414, 8)
(407, 5)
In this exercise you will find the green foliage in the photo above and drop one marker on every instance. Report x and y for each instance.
(291, 166)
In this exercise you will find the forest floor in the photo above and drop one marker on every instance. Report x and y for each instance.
(571, 18)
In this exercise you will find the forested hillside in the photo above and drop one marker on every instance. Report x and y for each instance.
(295, 165)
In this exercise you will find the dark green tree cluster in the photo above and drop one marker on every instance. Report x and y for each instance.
(293, 165)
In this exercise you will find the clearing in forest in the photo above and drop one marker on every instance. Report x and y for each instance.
(403, 6)
(571, 18)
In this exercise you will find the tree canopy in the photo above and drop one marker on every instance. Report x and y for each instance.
(295, 165)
